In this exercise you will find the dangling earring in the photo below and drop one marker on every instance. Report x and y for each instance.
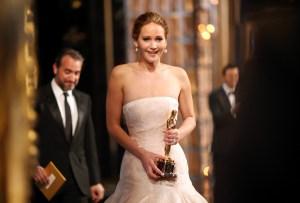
(166, 51)
(136, 49)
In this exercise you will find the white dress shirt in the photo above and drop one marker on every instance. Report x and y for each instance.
(60, 99)
(230, 94)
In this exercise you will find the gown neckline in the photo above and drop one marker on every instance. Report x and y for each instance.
(150, 97)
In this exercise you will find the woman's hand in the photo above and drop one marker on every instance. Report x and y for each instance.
(172, 136)
(149, 160)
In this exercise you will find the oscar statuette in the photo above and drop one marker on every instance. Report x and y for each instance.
(167, 165)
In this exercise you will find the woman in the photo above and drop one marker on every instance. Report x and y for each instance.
(146, 92)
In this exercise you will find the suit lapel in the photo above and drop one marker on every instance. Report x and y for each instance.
(80, 109)
(53, 108)
(224, 99)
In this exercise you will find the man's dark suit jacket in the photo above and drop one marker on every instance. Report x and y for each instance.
(223, 121)
(78, 157)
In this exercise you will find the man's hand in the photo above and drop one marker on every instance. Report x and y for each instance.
(235, 110)
(40, 176)
(97, 192)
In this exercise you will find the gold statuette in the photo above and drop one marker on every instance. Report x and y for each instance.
(167, 165)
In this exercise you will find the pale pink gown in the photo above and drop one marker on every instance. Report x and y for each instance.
(146, 119)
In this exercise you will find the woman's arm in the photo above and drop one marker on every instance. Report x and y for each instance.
(187, 111)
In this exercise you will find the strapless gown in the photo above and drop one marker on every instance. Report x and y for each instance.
(146, 119)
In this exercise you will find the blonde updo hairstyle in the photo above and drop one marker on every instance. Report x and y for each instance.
(146, 18)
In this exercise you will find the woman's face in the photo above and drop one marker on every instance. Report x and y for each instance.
(151, 42)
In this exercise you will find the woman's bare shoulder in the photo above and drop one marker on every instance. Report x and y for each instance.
(122, 70)
(176, 70)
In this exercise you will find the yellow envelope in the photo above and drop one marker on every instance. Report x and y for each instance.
(56, 180)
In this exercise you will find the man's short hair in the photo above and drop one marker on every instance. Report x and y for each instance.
(227, 67)
(70, 52)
